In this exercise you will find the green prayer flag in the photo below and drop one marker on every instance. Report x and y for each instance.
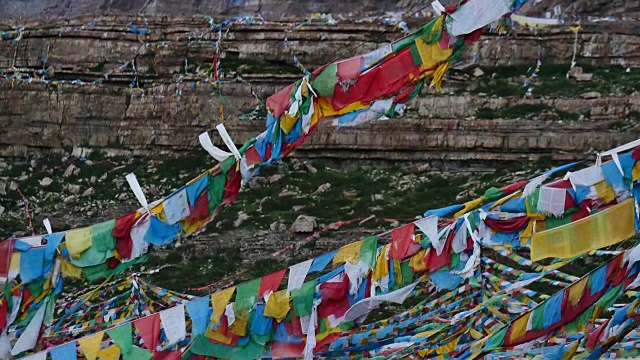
(496, 340)
(455, 261)
(50, 310)
(608, 299)
(36, 287)
(537, 318)
(227, 164)
(408, 275)
(216, 190)
(552, 222)
(251, 350)
(92, 257)
(137, 353)
(325, 82)
(493, 194)
(306, 106)
(532, 202)
(121, 335)
(404, 43)
(247, 295)
(429, 33)
(303, 298)
(102, 271)
(415, 55)
(472, 218)
(101, 237)
(369, 250)
(347, 325)
(202, 346)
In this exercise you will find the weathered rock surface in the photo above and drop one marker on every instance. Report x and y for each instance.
(303, 224)
(442, 128)
(278, 9)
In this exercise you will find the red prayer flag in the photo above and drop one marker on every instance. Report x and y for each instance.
(122, 233)
(287, 351)
(401, 239)
(271, 282)
(350, 69)
(252, 156)
(279, 102)
(514, 187)
(594, 336)
(167, 355)
(6, 251)
(200, 209)
(149, 328)
(232, 187)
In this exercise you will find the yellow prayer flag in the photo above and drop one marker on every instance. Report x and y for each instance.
(189, 227)
(438, 75)
(78, 241)
(287, 122)
(475, 334)
(606, 228)
(348, 253)
(635, 173)
(445, 349)
(571, 352)
(158, 211)
(417, 262)
(382, 265)
(218, 336)
(576, 290)
(110, 353)
(431, 54)
(519, 328)
(219, 303)
(397, 271)
(91, 345)
(14, 265)
(326, 110)
(278, 305)
(468, 206)
(239, 327)
(605, 192)
(70, 271)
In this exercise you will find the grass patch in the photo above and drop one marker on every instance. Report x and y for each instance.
(513, 112)
(552, 81)
(193, 269)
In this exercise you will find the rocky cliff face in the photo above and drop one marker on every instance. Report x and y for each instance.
(276, 9)
(171, 101)
(185, 46)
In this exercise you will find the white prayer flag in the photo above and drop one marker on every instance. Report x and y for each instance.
(29, 337)
(174, 324)
(297, 274)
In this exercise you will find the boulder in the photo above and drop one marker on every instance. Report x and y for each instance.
(303, 224)
(70, 199)
(322, 189)
(71, 170)
(591, 95)
(46, 182)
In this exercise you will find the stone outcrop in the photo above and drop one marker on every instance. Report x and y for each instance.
(184, 47)
(277, 8)
(176, 102)
(438, 130)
